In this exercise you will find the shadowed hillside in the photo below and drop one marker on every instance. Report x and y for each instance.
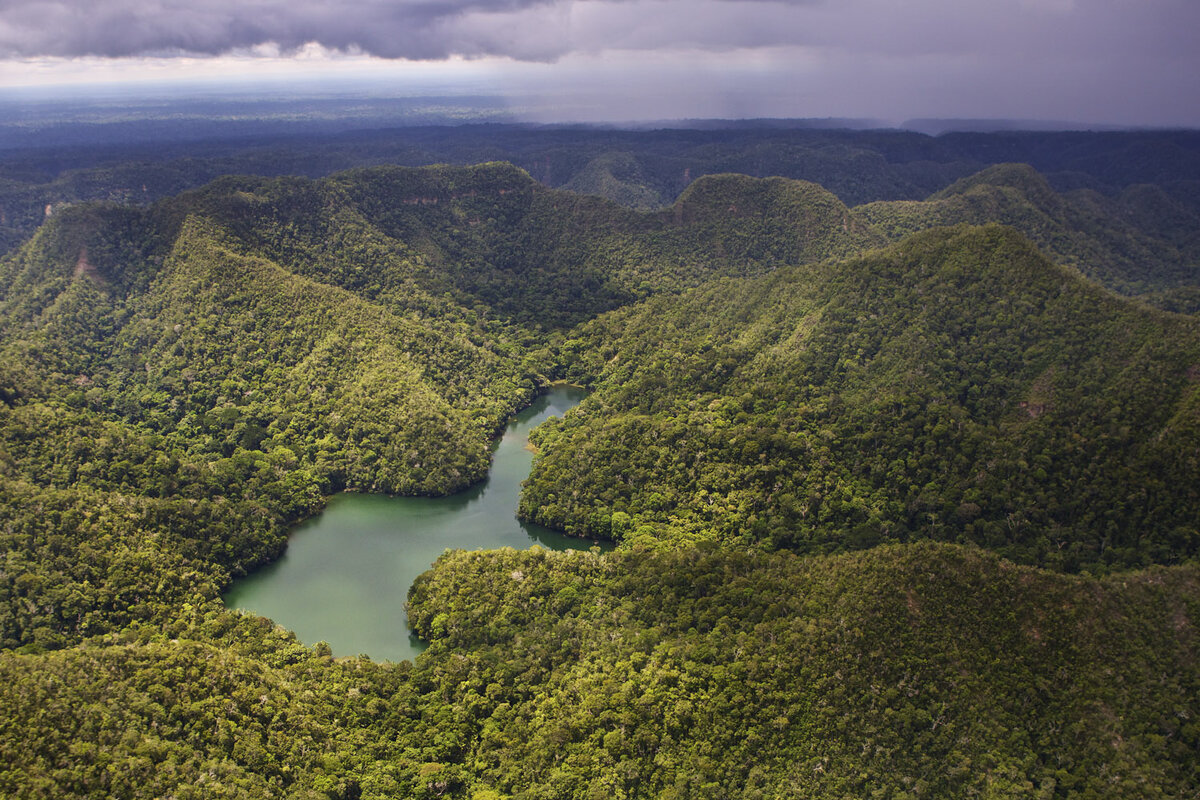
(1142, 242)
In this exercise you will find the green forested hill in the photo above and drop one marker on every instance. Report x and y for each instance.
(956, 386)
(225, 351)
(129, 162)
(773, 382)
(241, 351)
(1139, 243)
(495, 240)
(922, 671)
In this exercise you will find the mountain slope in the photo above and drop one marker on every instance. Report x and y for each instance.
(1133, 246)
(690, 674)
(180, 383)
(264, 343)
(894, 672)
(957, 386)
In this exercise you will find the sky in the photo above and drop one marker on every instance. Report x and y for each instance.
(1125, 62)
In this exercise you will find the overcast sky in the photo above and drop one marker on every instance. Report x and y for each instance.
(1103, 61)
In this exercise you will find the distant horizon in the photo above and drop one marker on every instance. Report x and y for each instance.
(129, 102)
(1090, 63)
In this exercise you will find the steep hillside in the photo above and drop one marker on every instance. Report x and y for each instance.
(616, 176)
(957, 386)
(491, 240)
(243, 351)
(225, 351)
(1143, 242)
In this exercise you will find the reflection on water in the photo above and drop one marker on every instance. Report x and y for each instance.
(346, 573)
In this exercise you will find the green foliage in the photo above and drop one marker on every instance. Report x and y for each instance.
(695, 673)
(1134, 245)
(210, 705)
(180, 383)
(710, 672)
(616, 176)
(957, 386)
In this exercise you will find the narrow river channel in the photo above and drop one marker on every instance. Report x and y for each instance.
(346, 573)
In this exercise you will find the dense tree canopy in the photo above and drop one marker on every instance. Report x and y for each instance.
(821, 435)
(957, 386)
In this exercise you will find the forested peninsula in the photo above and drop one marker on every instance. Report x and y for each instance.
(906, 492)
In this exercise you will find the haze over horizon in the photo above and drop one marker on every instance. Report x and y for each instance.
(1105, 62)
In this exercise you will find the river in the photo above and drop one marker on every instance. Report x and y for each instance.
(345, 576)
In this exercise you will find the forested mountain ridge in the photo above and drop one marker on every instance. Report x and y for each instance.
(1114, 242)
(241, 351)
(1130, 224)
(490, 235)
(957, 385)
(637, 168)
(180, 382)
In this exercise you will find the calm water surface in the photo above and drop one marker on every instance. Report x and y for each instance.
(346, 573)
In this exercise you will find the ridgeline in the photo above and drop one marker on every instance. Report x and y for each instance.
(903, 509)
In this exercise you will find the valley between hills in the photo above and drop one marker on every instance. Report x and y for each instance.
(905, 493)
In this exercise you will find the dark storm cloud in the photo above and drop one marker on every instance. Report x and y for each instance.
(412, 29)
(547, 29)
(388, 28)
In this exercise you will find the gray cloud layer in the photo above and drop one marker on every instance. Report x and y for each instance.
(1129, 61)
(413, 29)
(546, 29)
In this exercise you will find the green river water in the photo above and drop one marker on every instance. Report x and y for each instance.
(345, 576)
